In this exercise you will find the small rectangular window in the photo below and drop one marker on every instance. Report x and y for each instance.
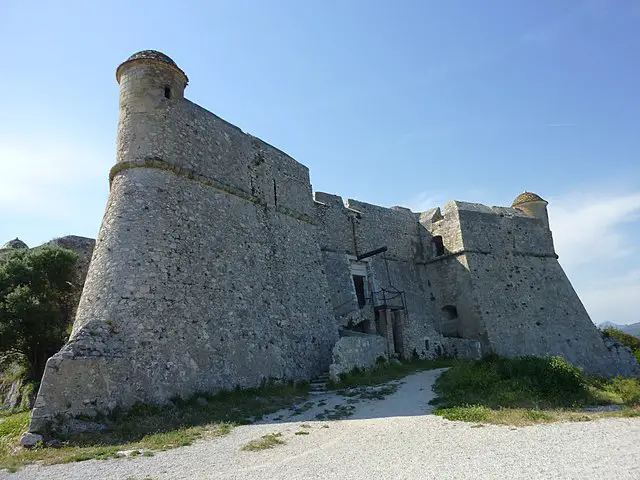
(167, 92)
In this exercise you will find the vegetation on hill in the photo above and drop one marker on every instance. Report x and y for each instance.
(633, 328)
(33, 287)
(625, 339)
(528, 390)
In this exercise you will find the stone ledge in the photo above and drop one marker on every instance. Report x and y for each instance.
(487, 252)
(191, 175)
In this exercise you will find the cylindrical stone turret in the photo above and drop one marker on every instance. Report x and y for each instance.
(532, 204)
(150, 83)
(148, 78)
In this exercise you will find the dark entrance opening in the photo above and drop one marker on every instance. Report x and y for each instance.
(449, 327)
(438, 245)
(358, 283)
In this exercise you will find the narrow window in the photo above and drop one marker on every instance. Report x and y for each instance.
(275, 193)
(358, 283)
(438, 245)
(167, 92)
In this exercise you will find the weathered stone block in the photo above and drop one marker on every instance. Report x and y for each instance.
(356, 350)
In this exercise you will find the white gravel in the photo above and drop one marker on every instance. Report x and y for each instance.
(394, 438)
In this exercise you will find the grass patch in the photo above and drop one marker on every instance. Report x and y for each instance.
(152, 427)
(386, 371)
(529, 390)
(265, 442)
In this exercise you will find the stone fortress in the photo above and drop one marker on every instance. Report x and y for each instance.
(216, 266)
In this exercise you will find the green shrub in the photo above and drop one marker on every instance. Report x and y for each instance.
(618, 390)
(528, 390)
(34, 287)
(466, 413)
(529, 382)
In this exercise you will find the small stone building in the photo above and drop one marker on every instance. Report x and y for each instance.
(216, 266)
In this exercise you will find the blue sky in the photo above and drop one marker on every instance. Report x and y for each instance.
(409, 103)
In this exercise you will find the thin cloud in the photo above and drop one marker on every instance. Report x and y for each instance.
(593, 239)
(45, 178)
(578, 222)
(618, 304)
(424, 201)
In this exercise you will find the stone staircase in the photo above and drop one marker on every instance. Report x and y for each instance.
(318, 385)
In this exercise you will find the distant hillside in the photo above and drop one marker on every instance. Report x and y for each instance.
(633, 329)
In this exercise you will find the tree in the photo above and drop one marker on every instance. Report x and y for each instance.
(34, 286)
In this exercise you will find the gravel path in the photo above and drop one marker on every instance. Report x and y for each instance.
(394, 438)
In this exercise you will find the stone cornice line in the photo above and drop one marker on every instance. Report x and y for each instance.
(486, 252)
(191, 175)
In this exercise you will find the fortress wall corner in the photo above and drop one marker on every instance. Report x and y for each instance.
(454, 307)
(526, 303)
(206, 273)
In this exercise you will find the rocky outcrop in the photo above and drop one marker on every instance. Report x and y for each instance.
(15, 391)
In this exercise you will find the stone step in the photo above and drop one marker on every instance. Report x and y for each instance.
(318, 385)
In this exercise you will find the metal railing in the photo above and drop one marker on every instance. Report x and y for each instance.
(382, 299)
(391, 299)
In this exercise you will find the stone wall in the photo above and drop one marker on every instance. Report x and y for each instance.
(359, 350)
(462, 348)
